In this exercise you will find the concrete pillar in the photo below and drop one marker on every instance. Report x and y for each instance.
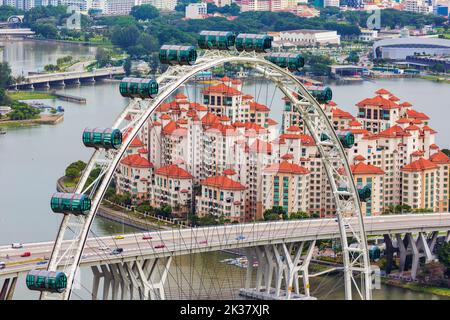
(402, 252)
(249, 255)
(389, 253)
(107, 278)
(95, 282)
(422, 246)
(432, 241)
(415, 255)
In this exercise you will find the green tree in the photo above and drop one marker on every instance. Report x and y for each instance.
(299, 215)
(144, 12)
(103, 57)
(127, 66)
(74, 170)
(46, 30)
(444, 255)
(276, 213)
(125, 37)
(5, 75)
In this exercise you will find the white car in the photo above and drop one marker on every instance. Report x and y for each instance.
(2, 265)
(17, 245)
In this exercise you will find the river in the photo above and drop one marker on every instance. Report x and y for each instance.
(33, 158)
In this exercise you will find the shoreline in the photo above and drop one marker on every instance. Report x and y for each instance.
(45, 119)
(438, 291)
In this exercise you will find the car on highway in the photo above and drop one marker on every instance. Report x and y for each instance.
(16, 245)
(25, 254)
(240, 237)
(103, 248)
(41, 263)
(203, 242)
(159, 246)
(119, 237)
(117, 251)
(2, 265)
(147, 238)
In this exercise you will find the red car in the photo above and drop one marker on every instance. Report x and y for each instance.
(26, 254)
(203, 242)
(147, 238)
(159, 246)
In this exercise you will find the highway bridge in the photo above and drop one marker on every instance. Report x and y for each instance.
(48, 80)
(420, 230)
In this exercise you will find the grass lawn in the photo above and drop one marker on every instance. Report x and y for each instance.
(30, 95)
(418, 287)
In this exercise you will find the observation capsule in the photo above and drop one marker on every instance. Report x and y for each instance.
(364, 192)
(138, 88)
(253, 42)
(43, 280)
(321, 94)
(70, 203)
(219, 40)
(177, 55)
(291, 61)
(347, 138)
(104, 138)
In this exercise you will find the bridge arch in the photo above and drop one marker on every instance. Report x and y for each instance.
(356, 260)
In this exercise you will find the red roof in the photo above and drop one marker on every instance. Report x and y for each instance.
(440, 158)
(136, 161)
(180, 96)
(260, 146)
(229, 172)
(210, 119)
(338, 113)
(287, 156)
(405, 104)
(418, 153)
(271, 122)
(294, 129)
(223, 183)
(136, 143)
(173, 171)
(434, 146)
(258, 107)
(379, 102)
(286, 167)
(427, 128)
(412, 128)
(359, 158)
(419, 165)
(354, 123)
(224, 129)
(382, 91)
(417, 115)
(305, 139)
(223, 89)
(394, 132)
(363, 168)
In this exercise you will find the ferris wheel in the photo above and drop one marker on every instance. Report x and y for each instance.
(216, 49)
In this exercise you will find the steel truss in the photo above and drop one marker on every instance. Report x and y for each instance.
(356, 261)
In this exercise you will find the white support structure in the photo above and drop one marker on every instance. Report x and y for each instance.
(146, 277)
(7, 288)
(279, 265)
(356, 260)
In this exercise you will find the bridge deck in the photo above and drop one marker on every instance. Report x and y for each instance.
(189, 241)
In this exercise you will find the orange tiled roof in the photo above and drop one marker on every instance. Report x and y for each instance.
(378, 101)
(359, 158)
(382, 91)
(136, 161)
(210, 119)
(354, 123)
(173, 171)
(338, 113)
(271, 122)
(434, 146)
(180, 96)
(222, 183)
(136, 143)
(286, 167)
(363, 168)
(417, 115)
(305, 139)
(419, 165)
(260, 146)
(258, 107)
(440, 158)
(223, 89)
(393, 132)
(229, 172)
